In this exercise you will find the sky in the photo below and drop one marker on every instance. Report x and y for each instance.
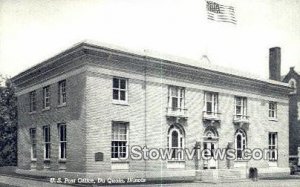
(32, 31)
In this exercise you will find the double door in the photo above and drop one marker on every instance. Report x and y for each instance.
(209, 161)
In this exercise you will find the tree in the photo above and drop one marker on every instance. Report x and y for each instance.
(8, 125)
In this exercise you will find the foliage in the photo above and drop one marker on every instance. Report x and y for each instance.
(8, 125)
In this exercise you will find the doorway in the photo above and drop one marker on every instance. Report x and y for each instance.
(210, 144)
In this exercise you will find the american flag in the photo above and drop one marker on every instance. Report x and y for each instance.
(221, 13)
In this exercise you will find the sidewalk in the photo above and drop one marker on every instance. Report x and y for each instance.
(17, 181)
(8, 178)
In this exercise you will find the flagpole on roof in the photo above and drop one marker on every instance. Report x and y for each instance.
(206, 36)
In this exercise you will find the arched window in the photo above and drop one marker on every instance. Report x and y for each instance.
(293, 84)
(176, 141)
(240, 143)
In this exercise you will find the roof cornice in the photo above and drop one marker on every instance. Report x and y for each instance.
(104, 52)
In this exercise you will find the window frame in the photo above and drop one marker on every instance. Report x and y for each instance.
(273, 146)
(116, 143)
(180, 97)
(46, 97)
(62, 140)
(62, 93)
(243, 106)
(33, 148)
(272, 110)
(47, 142)
(119, 90)
(32, 101)
(181, 142)
(242, 133)
(214, 103)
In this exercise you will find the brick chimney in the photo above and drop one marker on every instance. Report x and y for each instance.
(275, 63)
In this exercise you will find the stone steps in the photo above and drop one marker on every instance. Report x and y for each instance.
(221, 175)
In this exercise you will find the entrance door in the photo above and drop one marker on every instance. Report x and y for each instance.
(209, 162)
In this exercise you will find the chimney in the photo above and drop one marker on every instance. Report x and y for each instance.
(274, 63)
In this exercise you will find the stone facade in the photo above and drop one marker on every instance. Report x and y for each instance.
(91, 112)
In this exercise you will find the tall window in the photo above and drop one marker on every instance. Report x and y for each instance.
(272, 109)
(240, 143)
(46, 97)
(120, 89)
(176, 98)
(32, 133)
(176, 142)
(211, 102)
(32, 101)
(47, 142)
(62, 94)
(119, 141)
(240, 107)
(62, 134)
(293, 84)
(273, 146)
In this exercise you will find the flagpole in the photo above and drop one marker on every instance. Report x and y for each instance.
(206, 35)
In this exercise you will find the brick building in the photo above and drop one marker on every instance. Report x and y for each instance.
(293, 79)
(83, 110)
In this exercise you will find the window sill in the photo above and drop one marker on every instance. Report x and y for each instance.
(62, 160)
(273, 163)
(61, 105)
(176, 164)
(176, 160)
(241, 160)
(119, 161)
(45, 109)
(117, 102)
(273, 119)
(33, 160)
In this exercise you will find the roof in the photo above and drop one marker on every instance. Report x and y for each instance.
(292, 73)
(203, 63)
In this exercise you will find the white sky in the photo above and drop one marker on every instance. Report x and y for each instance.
(34, 30)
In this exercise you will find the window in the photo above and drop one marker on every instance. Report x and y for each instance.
(272, 109)
(211, 103)
(32, 133)
(293, 84)
(120, 89)
(240, 107)
(119, 143)
(273, 146)
(62, 134)
(32, 101)
(62, 94)
(46, 97)
(176, 142)
(47, 142)
(176, 98)
(240, 143)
